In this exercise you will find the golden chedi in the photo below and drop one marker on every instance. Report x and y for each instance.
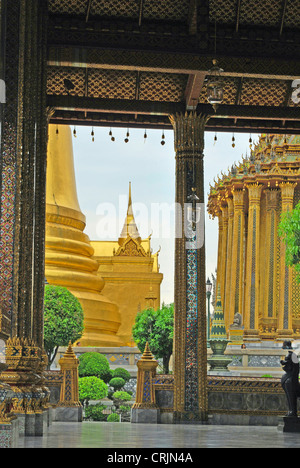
(69, 254)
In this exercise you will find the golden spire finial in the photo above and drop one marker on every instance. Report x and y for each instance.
(130, 228)
(147, 355)
(69, 352)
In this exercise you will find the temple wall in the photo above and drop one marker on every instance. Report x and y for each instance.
(254, 279)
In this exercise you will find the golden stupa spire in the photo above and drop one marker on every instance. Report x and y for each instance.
(130, 228)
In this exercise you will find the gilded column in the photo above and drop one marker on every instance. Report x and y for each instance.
(237, 258)
(268, 287)
(190, 348)
(285, 328)
(228, 282)
(220, 239)
(223, 263)
(22, 162)
(252, 264)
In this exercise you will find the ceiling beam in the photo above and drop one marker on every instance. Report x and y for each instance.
(193, 89)
(143, 121)
(165, 108)
(166, 62)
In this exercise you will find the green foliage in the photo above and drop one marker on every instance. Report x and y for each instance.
(92, 388)
(121, 395)
(124, 409)
(94, 364)
(114, 417)
(107, 375)
(289, 231)
(123, 373)
(95, 412)
(63, 319)
(117, 383)
(156, 327)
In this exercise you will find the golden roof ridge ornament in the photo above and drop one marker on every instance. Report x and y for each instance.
(130, 228)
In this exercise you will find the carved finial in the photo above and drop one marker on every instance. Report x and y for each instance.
(147, 356)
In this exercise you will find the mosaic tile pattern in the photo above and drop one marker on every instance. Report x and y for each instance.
(191, 373)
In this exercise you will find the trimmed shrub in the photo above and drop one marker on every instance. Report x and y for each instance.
(92, 388)
(123, 373)
(121, 395)
(125, 409)
(95, 412)
(93, 364)
(114, 417)
(117, 383)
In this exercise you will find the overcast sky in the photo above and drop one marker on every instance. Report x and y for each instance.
(105, 168)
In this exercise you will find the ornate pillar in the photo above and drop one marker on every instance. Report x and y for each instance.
(22, 170)
(222, 273)
(228, 281)
(22, 204)
(252, 264)
(268, 287)
(190, 349)
(237, 257)
(285, 329)
(220, 243)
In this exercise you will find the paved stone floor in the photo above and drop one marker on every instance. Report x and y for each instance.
(126, 435)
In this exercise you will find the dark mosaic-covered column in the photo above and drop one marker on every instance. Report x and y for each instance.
(22, 170)
(190, 348)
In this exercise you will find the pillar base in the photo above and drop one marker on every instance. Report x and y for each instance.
(9, 434)
(187, 417)
(290, 424)
(145, 415)
(68, 414)
(41, 424)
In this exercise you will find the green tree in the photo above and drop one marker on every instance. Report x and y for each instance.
(117, 383)
(94, 364)
(63, 319)
(91, 388)
(156, 327)
(289, 231)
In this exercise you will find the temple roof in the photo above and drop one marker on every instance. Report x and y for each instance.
(273, 159)
(132, 63)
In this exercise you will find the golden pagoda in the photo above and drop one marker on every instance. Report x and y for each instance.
(69, 253)
(260, 294)
(113, 280)
(131, 273)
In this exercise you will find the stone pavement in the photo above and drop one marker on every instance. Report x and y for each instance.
(156, 437)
